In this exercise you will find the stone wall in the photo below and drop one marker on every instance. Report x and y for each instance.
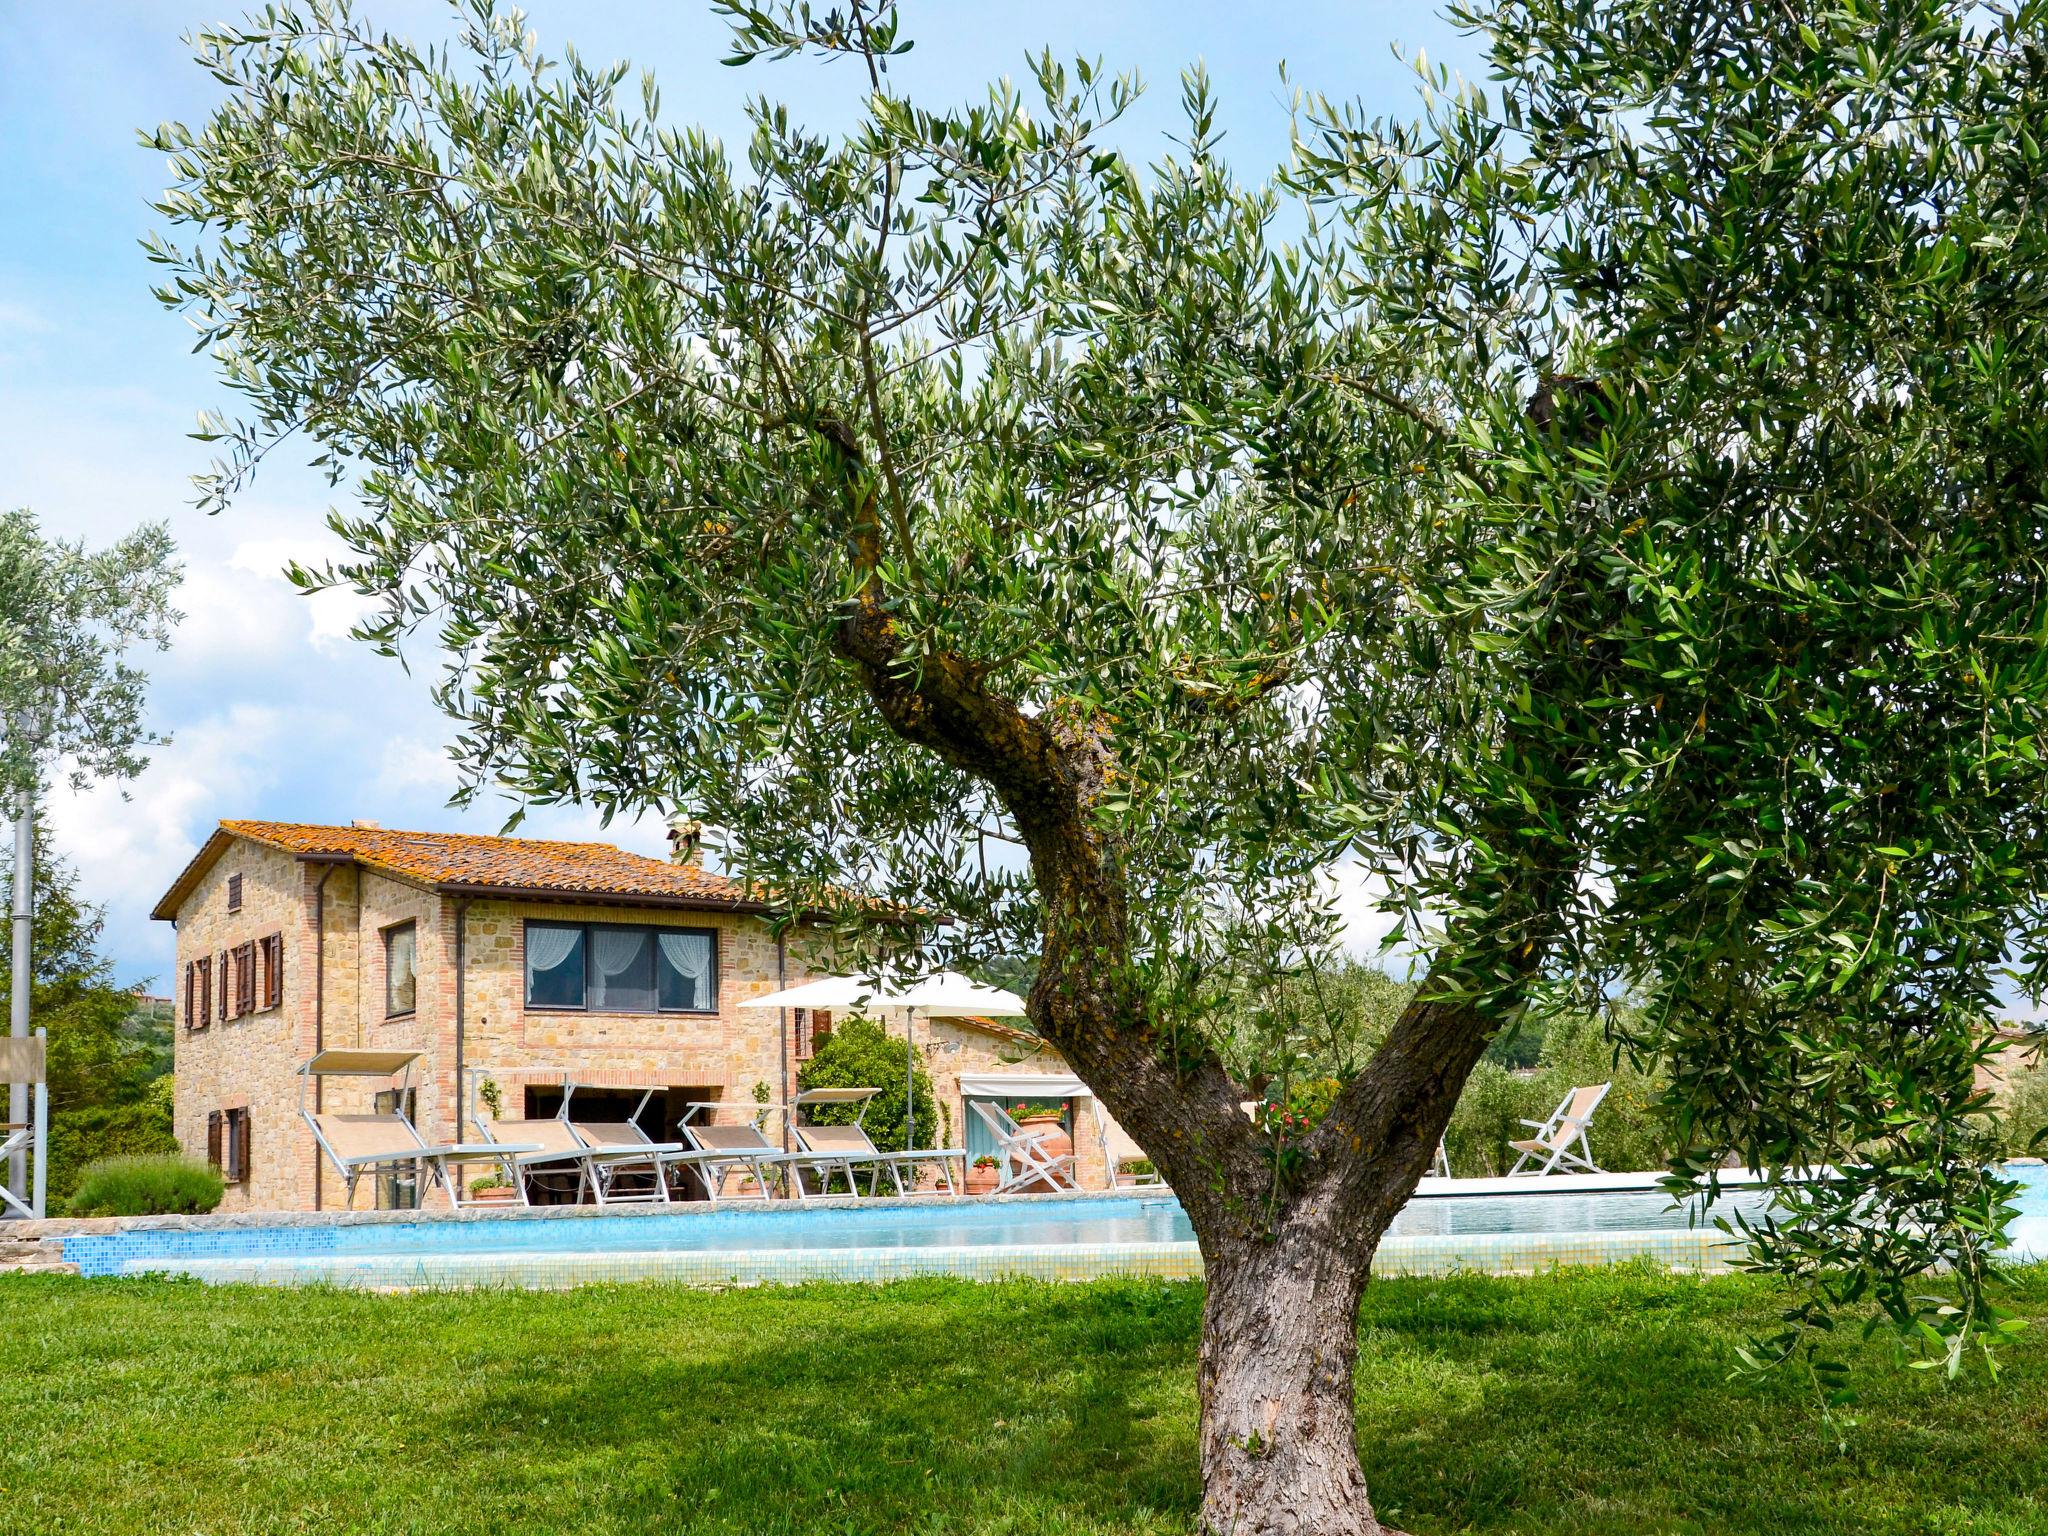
(253, 1061)
(250, 1062)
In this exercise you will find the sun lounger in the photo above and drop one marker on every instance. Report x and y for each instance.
(1560, 1141)
(627, 1150)
(387, 1142)
(845, 1148)
(729, 1149)
(1024, 1162)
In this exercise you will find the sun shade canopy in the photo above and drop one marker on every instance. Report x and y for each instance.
(836, 1095)
(345, 1063)
(946, 992)
(1022, 1085)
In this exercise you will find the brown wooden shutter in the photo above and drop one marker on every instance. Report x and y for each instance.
(273, 970)
(204, 968)
(245, 978)
(191, 973)
(821, 1028)
(242, 1146)
(213, 1137)
(234, 893)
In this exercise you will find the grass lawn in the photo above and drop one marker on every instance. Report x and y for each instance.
(1580, 1403)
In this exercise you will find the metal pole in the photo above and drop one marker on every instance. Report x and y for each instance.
(22, 978)
(40, 1186)
(910, 1079)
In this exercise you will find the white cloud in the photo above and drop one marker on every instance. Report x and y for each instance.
(128, 849)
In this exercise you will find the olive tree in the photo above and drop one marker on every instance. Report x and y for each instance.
(69, 617)
(1606, 509)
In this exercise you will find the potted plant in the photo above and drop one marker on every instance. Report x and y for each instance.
(1047, 1119)
(982, 1177)
(492, 1189)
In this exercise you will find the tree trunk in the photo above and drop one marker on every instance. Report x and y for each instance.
(1279, 1340)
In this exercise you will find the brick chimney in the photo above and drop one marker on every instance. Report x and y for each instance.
(686, 841)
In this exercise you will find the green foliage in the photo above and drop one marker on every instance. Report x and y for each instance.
(1616, 525)
(1629, 1133)
(860, 1053)
(68, 618)
(147, 1186)
(108, 1055)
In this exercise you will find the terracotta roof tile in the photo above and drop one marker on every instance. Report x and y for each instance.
(469, 861)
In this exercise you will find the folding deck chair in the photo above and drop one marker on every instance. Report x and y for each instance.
(1119, 1148)
(1556, 1138)
(24, 1059)
(843, 1148)
(388, 1143)
(733, 1148)
(1023, 1160)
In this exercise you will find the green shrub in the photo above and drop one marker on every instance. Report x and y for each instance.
(2023, 1111)
(85, 1135)
(147, 1186)
(859, 1053)
(1627, 1134)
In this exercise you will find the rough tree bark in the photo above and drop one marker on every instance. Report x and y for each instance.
(1285, 1269)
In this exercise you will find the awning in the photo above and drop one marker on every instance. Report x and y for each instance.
(347, 1063)
(1022, 1085)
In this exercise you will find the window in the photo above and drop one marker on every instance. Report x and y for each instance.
(234, 893)
(272, 949)
(401, 973)
(227, 1143)
(813, 1029)
(621, 968)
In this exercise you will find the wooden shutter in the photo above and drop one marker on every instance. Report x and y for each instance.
(191, 974)
(220, 962)
(234, 893)
(241, 1173)
(821, 1028)
(204, 970)
(213, 1137)
(245, 978)
(273, 970)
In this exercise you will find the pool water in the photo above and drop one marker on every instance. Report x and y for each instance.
(1496, 1225)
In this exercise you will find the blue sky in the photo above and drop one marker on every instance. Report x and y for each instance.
(273, 712)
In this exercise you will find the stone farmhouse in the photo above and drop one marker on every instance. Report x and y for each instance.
(516, 958)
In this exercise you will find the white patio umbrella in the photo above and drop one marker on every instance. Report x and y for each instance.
(942, 992)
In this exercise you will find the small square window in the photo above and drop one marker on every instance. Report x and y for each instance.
(234, 893)
(401, 973)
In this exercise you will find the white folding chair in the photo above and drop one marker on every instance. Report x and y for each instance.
(1119, 1148)
(1023, 1159)
(24, 1059)
(1560, 1141)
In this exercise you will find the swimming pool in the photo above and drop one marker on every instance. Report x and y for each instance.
(1506, 1226)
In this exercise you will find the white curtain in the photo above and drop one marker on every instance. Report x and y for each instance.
(547, 948)
(615, 950)
(690, 955)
